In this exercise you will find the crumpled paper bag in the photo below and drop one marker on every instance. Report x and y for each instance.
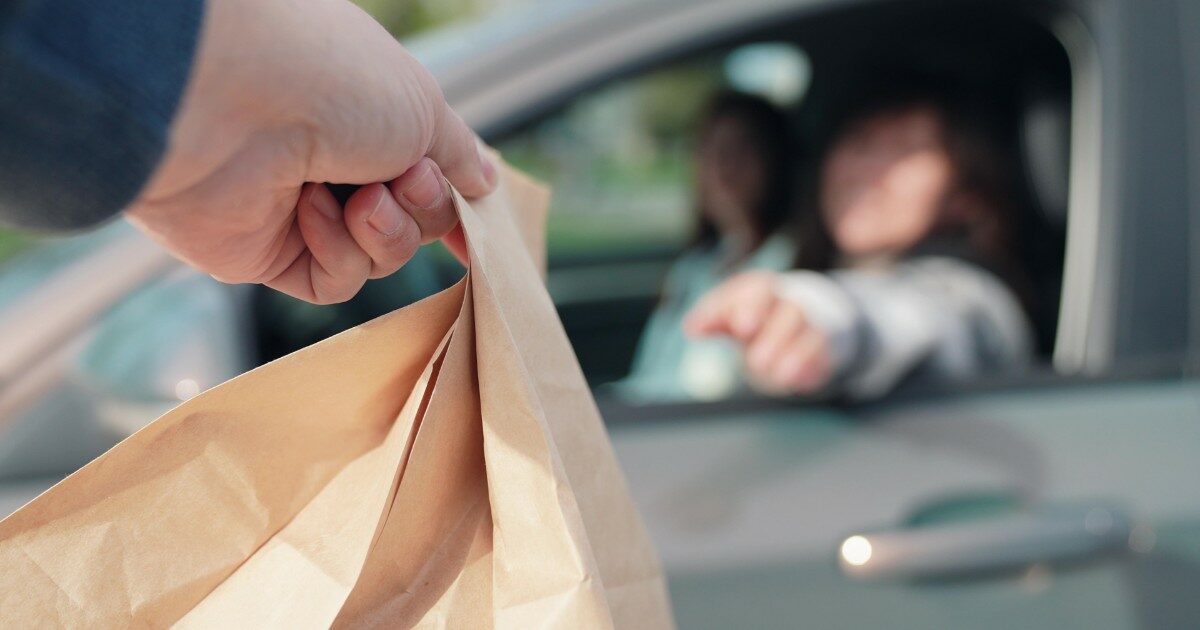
(443, 466)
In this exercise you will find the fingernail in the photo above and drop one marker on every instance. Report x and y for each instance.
(489, 169)
(325, 204)
(385, 218)
(425, 189)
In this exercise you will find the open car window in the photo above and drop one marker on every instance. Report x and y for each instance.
(621, 159)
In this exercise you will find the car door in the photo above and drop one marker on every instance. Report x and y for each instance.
(102, 332)
(1030, 507)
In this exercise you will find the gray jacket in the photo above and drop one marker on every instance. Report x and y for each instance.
(936, 317)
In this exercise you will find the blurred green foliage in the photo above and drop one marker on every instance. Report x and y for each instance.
(406, 17)
(10, 243)
(619, 160)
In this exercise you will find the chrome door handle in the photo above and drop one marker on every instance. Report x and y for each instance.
(1049, 535)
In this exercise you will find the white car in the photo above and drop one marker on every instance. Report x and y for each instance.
(1065, 497)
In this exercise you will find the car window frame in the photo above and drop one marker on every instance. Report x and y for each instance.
(1090, 316)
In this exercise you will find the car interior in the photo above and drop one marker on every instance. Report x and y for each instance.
(618, 157)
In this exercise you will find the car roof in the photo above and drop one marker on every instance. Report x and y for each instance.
(521, 58)
(443, 48)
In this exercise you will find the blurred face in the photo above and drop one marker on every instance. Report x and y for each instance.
(731, 174)
(884, 181)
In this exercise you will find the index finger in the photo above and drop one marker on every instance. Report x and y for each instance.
(736, 308)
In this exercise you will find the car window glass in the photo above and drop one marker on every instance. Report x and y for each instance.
(618, 161)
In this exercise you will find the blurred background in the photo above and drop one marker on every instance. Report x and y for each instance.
(1059, 494)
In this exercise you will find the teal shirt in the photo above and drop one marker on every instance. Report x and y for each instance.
(668, 366)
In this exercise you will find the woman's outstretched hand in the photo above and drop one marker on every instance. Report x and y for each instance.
(284, 96)
(783, 352)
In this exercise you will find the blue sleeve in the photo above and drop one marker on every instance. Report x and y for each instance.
(87, 92)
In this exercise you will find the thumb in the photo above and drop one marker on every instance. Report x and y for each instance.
(456, 149)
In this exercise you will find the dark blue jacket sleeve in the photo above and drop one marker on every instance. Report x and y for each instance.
(87, 92)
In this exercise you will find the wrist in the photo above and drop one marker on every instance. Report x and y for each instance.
(236, 94)
(828, 309)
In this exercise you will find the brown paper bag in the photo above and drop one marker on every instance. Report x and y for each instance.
(441, 466)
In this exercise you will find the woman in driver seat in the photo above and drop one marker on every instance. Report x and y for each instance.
(915, 196)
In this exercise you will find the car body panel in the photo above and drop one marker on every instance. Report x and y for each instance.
(748, 510)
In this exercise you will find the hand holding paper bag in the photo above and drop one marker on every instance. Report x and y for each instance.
(441, 466)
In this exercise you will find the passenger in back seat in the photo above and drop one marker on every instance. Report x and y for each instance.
(743, 197)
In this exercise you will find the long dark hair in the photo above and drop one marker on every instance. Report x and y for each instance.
(770, 133)
(983, 170)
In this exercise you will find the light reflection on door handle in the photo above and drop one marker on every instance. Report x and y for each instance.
(1051, 535)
